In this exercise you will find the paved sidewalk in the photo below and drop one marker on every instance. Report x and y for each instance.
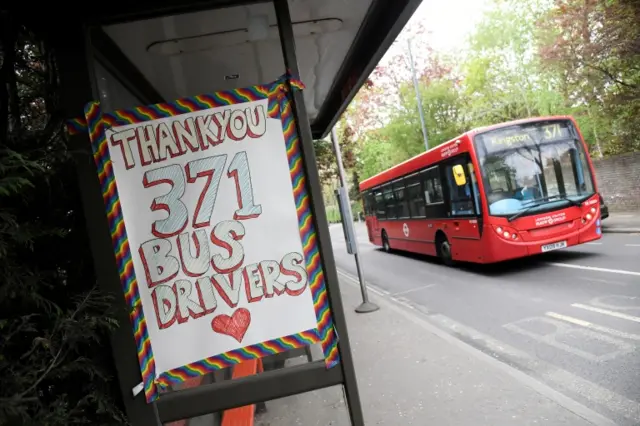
(410, 374)
(619, 222)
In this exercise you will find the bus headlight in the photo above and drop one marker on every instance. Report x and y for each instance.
(593, 210)
(506, 232)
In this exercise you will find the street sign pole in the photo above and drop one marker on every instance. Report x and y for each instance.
(347, 224)
(418, 97)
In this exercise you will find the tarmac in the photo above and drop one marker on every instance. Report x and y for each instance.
(622, 222)
(411, 373)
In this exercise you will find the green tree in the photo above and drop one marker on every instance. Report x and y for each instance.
(401, 138)
(526, 58)
(594, 46)
(504, 79)
(54, 358)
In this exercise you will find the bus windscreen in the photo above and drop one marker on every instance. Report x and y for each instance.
(524, 166)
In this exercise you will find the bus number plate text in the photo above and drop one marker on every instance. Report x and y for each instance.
(554, 246)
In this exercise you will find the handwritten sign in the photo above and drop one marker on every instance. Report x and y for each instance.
(218, 232)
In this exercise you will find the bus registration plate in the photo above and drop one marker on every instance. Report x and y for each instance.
(554, 246)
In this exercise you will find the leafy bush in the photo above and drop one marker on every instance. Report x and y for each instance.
(55, 364)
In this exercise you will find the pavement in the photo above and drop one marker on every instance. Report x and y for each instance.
(410, 373)
(569, 319)
(622, 222)
(551, 340)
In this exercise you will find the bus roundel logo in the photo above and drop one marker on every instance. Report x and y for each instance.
(405, 229)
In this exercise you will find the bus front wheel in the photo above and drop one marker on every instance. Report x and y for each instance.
(385, 242)
(443, 249)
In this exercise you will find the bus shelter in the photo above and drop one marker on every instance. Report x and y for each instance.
(126, 54)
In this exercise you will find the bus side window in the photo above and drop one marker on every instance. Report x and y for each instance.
(402, 206)
(460, 197)
(432, 186)
(366, 202)
(381, 210)
(389, 200)
(416, 196)
(474, 187)
(371, 202)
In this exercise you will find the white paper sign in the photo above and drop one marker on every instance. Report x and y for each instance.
(208, 207)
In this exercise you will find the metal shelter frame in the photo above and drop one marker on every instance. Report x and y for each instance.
(80, 42)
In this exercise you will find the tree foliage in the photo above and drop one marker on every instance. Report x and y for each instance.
(525, 58)
(593, 47)
(55, 361)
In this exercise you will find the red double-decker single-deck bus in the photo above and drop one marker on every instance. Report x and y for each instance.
(501, 192)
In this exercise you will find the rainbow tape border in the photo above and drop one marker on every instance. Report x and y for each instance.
(279, 106)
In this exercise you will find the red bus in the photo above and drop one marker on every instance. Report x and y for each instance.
(495, 193)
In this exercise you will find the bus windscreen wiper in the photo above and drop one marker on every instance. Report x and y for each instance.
(541, 202)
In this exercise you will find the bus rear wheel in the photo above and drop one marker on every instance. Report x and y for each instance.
(443, 250)
(385, 242)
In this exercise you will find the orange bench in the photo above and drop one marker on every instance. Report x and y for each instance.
(243, 416)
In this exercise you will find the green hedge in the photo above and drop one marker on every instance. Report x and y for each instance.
(333, 212)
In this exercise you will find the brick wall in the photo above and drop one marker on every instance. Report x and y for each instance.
(618, 180)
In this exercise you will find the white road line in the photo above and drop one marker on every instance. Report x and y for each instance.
(549, 373)
(606, 312)
(373, 289)
(594, 268)
(404, 302)
(594, 244)
(632, 245)
(411, 290)
(592, 326)
(597, 280)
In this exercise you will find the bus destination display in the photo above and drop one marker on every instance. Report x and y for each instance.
(522, 136)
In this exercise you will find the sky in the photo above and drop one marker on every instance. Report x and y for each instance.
(450, 22)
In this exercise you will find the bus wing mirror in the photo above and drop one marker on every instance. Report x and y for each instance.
(458, 175)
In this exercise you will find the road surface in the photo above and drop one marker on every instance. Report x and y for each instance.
(570, 318)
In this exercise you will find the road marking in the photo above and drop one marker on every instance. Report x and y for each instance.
(449, 331)
(597, 280)
(593, 326)
(606, 312)
(404, 302)
(562, 331)
(411, 290)
(373, 289)
(598, 301)
(632, 245)
(594, 268)
(594, 244)
(548, 372)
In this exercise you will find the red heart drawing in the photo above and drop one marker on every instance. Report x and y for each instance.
(235, 325)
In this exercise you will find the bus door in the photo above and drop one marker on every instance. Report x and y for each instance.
(462, 201)
(377, 211)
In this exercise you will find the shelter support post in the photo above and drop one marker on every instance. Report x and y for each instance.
(287, 41)
(347, 223)
(75, 55)
(76, 90)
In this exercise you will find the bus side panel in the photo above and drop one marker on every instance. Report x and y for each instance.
(373, 230)
(422, 236)
(466, 242)
(412, 235)
(393, 229)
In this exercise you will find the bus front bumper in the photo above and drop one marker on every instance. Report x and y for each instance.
(504, 249)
